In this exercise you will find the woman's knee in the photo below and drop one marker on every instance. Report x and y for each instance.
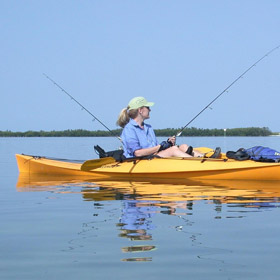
(169, 152)
(175, 151)
(174, 148)
(183, 147)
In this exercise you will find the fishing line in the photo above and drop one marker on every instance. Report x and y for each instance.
(83, 107)
(239, 77)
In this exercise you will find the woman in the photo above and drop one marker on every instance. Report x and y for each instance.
(139, 138)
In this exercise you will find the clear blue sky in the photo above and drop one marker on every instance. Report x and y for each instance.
(180, 54)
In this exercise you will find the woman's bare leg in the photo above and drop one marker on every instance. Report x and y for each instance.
(173, 151)
(184, 148)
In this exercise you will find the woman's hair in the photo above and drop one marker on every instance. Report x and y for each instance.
(125, 115)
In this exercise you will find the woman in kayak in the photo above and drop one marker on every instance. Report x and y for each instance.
(139, 138)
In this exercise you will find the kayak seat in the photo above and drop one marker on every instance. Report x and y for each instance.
(116, 154)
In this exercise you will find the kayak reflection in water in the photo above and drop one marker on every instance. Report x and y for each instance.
(139, 138)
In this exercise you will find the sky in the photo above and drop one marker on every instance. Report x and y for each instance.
(180, 54)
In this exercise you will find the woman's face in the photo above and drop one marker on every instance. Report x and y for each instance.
(145, 112)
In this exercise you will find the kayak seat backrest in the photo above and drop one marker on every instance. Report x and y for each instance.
(116, 154)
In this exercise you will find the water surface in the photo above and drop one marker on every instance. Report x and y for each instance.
(53, 229)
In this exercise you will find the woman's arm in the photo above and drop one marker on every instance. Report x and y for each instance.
(153, 150)
(146, 151)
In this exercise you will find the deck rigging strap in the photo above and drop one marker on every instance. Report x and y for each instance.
(54, 158)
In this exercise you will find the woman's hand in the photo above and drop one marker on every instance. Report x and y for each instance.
(164, 145)
(172, 140)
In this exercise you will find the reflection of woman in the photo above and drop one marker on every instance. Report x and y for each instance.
(136, 220)
(139, 138)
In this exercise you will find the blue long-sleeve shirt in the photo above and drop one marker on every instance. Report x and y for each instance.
(135, 138)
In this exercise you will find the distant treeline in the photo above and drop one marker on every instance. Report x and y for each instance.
(249, 131)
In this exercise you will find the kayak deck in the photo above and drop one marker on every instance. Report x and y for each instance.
(157, 168)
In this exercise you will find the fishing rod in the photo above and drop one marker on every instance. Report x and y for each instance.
(83, 107)
(239, 77)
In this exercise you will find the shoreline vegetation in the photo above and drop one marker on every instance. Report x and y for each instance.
(249, 131)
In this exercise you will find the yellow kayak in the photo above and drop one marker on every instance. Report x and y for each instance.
(153, 169)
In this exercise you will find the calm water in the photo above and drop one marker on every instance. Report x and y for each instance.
(128, 230)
